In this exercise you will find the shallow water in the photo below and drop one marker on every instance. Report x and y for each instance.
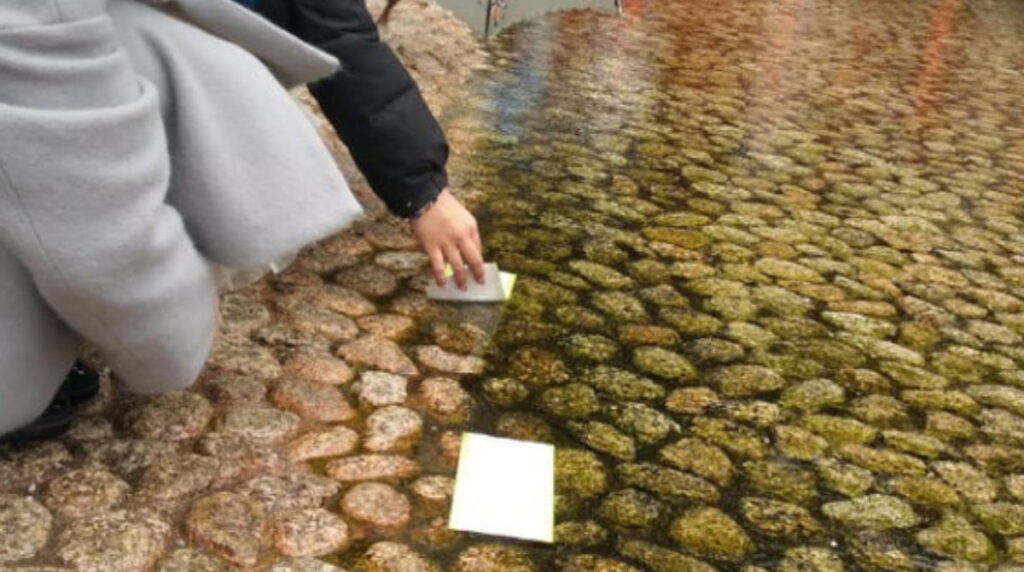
(770, 263)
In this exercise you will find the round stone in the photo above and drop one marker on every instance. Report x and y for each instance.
(190, 560)
(391, 326)
(312, 400)
(259, 423)
(378, 506)
(710, 533)
(333, 442)
(372, 467)
(493, 558)
(319, 366)
(369, 280)
(745, 380)
(290, 492)
(437, 359)
(664, 363)
(377, 389)
(392, 428)
(872, 512)
(228, 525)
(233, 389)
(174, 479)
(85, 491)
(446, 400)
(310, 532)
(120, 540)
(395, 557)
(378, 353)
(173, 416)
(433, 492)
(24, 527)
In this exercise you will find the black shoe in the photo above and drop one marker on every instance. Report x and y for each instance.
(54, 422)
(80, 385)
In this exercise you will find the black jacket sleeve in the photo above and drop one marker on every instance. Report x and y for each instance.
(373, 103)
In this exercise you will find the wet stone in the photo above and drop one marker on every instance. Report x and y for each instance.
(882, 460)
(699, 458)
(389, 326)
(244, 356)
(601, 275)
(915, 443)
(173, 416)
(604, 438)
(445, 400)
(660, 559)
(392, 428)
(744, 380)
(320, 324)
(663, 363)
(620, 306)
(710, 533)
(372, 467)
(955, 537)
(120, 540)
(318, 366)
(594, 563)
(378, 389)
(293, 491)
(691, 400)
(622, 384)
(493, 558)
(714, 350)
(437, 359)
(369, 280)
(377, 353)
(228, 525)
(925, 491)
(258, 423)
(312, 400)
(84, 492)
(174, 480)
(579, 474)
(126, 456)
(24, 527)
(580, 533)
(799, 443)
(1002, 518)
(813, 395)
(863, 381)
(505, 392)
(90, 429)
(573, 400)
(591, 347)
(839, 430)
(666, 482)
(190, 560)
(537, 368)
(844, 478)
(639, 334)
(630, 508)
(1009, 398)
(878, 410)
(782, 480)
(948, 426)
(376, 506)
(645, 423)
(524, 426)
(780, 519)
(233, 389)
(872, 512)
(733, 437)
(433, 493)
(971, 483)
(394, 557)
(810, 558)
(333, 442)
(310, 532)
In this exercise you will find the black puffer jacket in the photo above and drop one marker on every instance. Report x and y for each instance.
(373, 103)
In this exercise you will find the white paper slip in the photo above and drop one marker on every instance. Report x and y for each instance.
(497, 287)
(505, 487)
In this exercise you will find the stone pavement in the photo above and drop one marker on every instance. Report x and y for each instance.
(304, 438)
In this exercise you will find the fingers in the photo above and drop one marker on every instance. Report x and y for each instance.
(451, 252)
(437, 265)
(473, 257)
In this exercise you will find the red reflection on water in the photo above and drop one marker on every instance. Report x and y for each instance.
(781, 31)
(934, 58)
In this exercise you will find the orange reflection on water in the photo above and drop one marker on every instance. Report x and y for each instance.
(934, 61)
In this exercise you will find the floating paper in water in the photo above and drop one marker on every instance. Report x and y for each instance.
(505, 487)
(497, 287)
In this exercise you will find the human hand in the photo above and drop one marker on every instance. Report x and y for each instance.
(447, 231)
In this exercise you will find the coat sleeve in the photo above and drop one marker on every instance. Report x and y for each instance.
(373, 103)
(84, 170)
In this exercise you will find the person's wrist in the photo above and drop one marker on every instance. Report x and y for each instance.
(425, 208)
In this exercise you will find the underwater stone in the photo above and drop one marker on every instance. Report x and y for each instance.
(813, 395)
(660, 559)
(744, 380)
(579, 474)
(872, 512)
(799, 443)
(630, 507)
(622, 384)
(666, 482)
(843, 478)
(663, 363)
(953, 536)
(645, 423)
(780, 519)
(700, 458)
(604, 438)
(710, 533)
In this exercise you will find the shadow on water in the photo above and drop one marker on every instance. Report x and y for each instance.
(791, 231)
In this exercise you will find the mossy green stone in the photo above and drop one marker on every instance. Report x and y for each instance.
(663, 363)
(745, 380)
(604, 438)
(630, 508)
(580, 533)
(1003, 518)
(926, 491)
(872, 512)
(699, 458)
(690, 323)
(573, 400)
(601, 275)
(710, 533)
(666, 482)
(504, 391)
(780, 519)
(786, 481)
(731, 436)
(622, 384)
(839, 430)
(844, 478)
(660, 559)
(579, 474)
(620, 306)
(813, 395)
(882, 460)
(955, 537)
(645, 423)
(536, 367)
(591, 347)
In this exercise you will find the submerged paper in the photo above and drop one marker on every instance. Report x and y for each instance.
(505, 487)
(497, 287)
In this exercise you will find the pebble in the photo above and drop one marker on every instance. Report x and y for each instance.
(84, 492)
(310, 532)
(373, 467)
(333, 442)
(378, 389)
(119, 540)
(445, 400)
(312, 400)
(436, 359)
(318, 366)
(392, 428)
(173, 416)
(228, 525)
(390, 326)
(377, 506)
(395, 557)
(24, 527)
(378, 353)
(258, 423)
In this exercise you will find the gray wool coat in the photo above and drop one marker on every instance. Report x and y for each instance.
(139, 143)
